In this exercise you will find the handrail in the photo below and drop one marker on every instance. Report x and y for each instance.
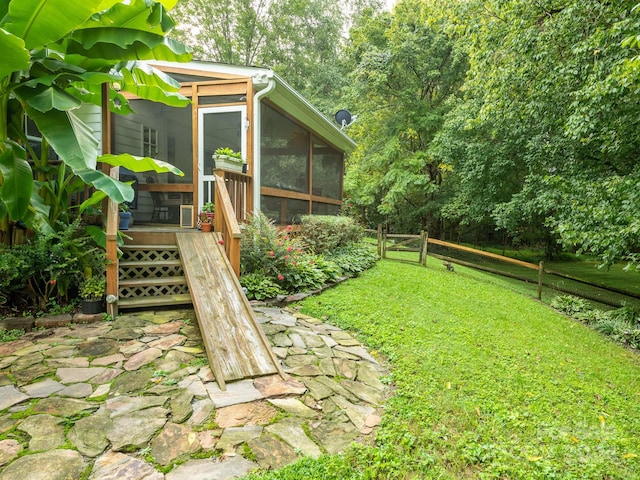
(112, 243)
(227, 224)
(240, 192)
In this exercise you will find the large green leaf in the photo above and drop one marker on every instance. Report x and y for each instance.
(124, 44)
(140, 164)
(37, 215)
(4, 8)
(14, 55)
(116, 190)
(44, 98)
(39, 22)
(17, 184)
(149, 83)
(72, 139)
(145, 74)
(137, 15)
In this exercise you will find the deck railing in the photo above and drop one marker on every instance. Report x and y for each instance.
(227, 224)
(238, 186)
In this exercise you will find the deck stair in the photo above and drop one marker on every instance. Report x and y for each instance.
(191, 268)
(151, 276)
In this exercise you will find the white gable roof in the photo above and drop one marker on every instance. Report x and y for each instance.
(281, 94)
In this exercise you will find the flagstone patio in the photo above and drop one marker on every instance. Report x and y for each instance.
(133, 398)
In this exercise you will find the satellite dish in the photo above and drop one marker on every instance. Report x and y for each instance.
(344, 118)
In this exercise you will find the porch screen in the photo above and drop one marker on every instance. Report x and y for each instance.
(327, 168)
(163, 133)
(284, 153)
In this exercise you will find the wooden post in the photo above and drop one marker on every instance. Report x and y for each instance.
(112, 247)
(420, 253)
(384, 244)
(425, 248)
(540, 274)
(379, 240)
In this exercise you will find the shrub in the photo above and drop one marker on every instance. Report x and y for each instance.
(260, 287)
(324, 233)
(282, 258)
(354, 258)
(265, 249)
(49, 268)
(570, 305)
(620, 324)
(277, 255)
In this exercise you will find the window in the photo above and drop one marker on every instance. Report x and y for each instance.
(35, 141)
(149, 142)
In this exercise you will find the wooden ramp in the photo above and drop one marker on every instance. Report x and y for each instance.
(235, 343)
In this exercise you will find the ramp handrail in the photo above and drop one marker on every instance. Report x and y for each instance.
(227, 224)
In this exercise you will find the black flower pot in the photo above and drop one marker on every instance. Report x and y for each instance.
(91, 306)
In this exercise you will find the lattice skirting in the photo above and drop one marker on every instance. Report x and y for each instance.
(152, 290)
(150, 271)
(151, 255)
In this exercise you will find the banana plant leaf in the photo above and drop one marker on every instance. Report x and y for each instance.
(40, 22)
(140, 164)
(17, 177)
(15, 56)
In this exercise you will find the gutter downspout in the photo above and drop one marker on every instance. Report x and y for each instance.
(257, 130)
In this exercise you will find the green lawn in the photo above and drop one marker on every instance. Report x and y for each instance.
(489, 383)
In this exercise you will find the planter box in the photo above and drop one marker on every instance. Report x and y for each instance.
(225, 162)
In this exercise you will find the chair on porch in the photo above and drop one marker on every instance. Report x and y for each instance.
(164, 209)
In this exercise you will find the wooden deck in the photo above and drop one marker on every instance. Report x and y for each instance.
(235, 343)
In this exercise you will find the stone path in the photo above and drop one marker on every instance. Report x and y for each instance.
(135, 399)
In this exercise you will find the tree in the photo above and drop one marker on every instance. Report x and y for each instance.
(58, 54)
(300, 39)
(549, 114)
(406, 77)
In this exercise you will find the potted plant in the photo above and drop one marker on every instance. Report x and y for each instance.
(92, 295)
(207, 215)
(206, 223)
(92, 215)
(209, 209)
(125, 216)
(227, 159)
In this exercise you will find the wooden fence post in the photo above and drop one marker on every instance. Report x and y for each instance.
(540, 274)
(379, 240)
(384, 244)
(425, 248)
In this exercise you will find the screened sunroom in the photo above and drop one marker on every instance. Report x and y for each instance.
(293, 155)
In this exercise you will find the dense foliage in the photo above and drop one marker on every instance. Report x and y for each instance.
(275, 261)
(621, 324)
(485, 119)
(405, 76)
(301, 40)
(49, 270)
(55, 62)
(325, 233)
(545, 141)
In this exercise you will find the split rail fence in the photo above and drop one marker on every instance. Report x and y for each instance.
(537, 275)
